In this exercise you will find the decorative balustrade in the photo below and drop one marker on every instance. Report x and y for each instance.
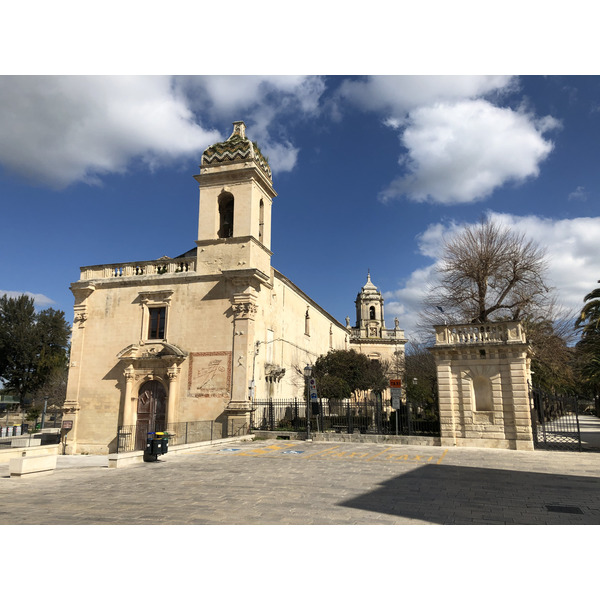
(137, 269)
(393, 334)
(386, 334)
(485, 333)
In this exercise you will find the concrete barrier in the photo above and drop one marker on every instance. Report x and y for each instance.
(25, 442)
(31, 463)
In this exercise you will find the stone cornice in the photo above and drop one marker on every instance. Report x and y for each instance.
(146, 280)
(224, 173)
(232, 241)
(378, 341)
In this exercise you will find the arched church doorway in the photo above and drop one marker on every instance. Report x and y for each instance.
(151, 411)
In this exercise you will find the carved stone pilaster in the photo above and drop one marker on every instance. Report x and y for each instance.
(81, 294)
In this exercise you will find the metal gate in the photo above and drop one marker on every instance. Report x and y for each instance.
(555, 422)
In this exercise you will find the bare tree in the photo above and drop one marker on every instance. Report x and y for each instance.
(487, 272)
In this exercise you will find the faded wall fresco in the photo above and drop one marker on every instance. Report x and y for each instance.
(209, 374)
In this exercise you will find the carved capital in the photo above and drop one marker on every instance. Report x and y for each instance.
(173, 373)
(244, 310)
(80, 318)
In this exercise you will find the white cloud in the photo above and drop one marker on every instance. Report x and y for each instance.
(462, 152)
(228, 95)
(398, 95)
(57, 130)
(572, 247)
(261, 101)
(39, 299)
(578, 195)
(458, 145)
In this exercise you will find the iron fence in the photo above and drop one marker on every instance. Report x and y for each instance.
(555, 421)
(342, 416)
(133, 437)
(278, 415)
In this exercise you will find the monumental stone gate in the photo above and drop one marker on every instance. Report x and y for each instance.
(484, 377)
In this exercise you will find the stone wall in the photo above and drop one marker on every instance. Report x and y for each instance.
(483, 383)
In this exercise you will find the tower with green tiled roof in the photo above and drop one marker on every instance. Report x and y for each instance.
(236, 195)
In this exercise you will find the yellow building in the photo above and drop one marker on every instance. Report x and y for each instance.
(193, 338)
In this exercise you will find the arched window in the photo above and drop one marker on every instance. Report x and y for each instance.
(372, 313)
(225, 215)
(261, 222)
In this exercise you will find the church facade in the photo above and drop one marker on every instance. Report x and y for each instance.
(195, 338)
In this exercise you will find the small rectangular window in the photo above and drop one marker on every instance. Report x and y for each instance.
(158, 316)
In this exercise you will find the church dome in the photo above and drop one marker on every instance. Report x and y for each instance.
(369, 286)
(236, 148)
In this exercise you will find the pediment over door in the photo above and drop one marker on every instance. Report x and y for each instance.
(153, 351)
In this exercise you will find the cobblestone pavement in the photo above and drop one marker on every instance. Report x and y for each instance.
(283, 482)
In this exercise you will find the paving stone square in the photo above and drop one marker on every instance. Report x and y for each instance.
(309, 483)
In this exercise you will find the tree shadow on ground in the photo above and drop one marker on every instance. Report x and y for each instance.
(448, 494)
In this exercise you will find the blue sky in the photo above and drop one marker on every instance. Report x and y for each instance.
(88, 177)
(370, 172)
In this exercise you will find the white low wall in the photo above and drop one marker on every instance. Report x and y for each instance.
(356, 438)
(7, 454)
(31, 462)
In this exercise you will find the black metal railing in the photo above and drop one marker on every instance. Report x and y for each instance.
(555, 421)
(278, 415)
(133, 437)
(342, 416)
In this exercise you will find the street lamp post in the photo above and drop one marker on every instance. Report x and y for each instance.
(307, 375)
(44, 413)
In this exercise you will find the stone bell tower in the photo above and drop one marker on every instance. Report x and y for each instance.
(234, 217)
(234, 242)
(370, 335)
(370, 322)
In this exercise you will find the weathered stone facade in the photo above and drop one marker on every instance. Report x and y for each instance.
(483, 381)
(192, 338)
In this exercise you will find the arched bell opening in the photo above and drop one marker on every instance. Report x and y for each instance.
(226, 205)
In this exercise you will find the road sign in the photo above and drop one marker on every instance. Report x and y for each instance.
(395, 383)
(396, 398)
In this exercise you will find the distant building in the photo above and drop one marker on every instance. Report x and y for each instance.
(193, 338)
(370, 335)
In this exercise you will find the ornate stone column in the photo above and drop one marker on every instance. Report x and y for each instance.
(244, 309)
(173, 375)
(128, 412)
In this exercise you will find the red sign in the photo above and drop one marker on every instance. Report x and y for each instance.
(67, 425)
(395, 383)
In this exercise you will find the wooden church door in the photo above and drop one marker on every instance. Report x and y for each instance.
(151, 411)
